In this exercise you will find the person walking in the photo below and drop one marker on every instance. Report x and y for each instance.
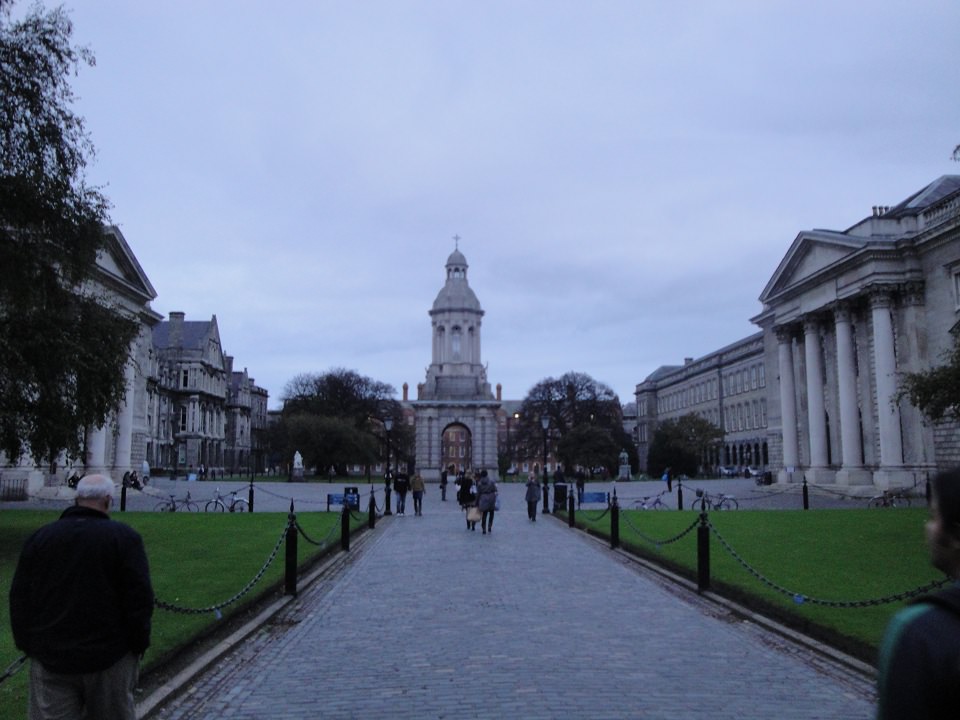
(533, 495)
(467, 497)
(443, 485)
(401, 485)
(417, 488)
(486, 501)
(668, 479)
(918, 672)
(81, 604)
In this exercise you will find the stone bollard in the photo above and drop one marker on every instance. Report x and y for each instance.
(345, 526)
(290, 570)
(703, 554)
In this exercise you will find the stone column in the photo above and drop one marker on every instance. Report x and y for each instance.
(816, 413)
(788, 401)
(125, 422)
(888, 412)
(851, 449)
(96, 450)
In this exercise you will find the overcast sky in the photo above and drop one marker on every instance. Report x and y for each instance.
(625, 175)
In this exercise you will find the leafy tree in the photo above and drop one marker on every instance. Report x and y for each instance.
(62, 347)
(335, 418)
(574, 402)
(681, 443)
(936, 392)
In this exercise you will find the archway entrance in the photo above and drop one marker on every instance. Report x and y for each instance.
(457, 447)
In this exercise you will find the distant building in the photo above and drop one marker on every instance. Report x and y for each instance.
(727, 387)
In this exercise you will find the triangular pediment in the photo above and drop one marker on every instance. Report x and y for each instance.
(811, 254)
(120, 268)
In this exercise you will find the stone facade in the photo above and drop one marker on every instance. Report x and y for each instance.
(455, 413)
(727, 388)
(844, 314)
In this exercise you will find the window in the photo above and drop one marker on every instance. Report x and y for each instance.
(186, 379)
(956, 289)
(763, 412)
(183, 419)
(763, 376)
(753, 378)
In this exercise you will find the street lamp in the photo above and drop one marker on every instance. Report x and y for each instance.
(387, 476)
(545, 424)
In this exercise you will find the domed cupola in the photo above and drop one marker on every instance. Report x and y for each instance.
(456, 294)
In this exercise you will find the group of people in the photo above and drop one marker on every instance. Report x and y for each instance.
(479, 499)
(402, 484)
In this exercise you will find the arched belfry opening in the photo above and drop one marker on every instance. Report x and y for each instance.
(455, 394)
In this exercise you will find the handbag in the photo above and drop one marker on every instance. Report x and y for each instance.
(473, 514)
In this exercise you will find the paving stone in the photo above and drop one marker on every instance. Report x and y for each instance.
(430, 620)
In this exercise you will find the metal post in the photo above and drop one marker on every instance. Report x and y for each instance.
(250, 496)
(372, 511)
(571, 520)
(546, 495)
(614, 521)
(345, 525)
(703, 554)
(290, 584)
(123, 496)
(679, 494)
(806, 495)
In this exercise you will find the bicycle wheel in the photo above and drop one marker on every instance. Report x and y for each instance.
(902, 501)
(697, 505)
(162, 507)
(214, 506)
(728, 503)
(877, 502)
(240, 506)
(660, 505)
(189, 506)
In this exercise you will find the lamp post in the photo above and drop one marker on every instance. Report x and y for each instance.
(545, 424)
(387, 476)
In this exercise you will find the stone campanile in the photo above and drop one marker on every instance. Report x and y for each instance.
(455, 408)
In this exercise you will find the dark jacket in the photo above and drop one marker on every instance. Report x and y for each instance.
(533, 489)
(918, 673)
(486, 494)
(81, 596)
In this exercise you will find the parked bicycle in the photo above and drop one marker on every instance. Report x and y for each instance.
(889, 498)
(650, 503)
(174, 504)
(222, 503)
(720, 501)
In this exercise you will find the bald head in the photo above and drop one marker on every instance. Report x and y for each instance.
(95, 491)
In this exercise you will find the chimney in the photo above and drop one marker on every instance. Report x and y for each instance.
(176, 329)
(687, 361)
(406, 391)
(228, 364)
(499, 392)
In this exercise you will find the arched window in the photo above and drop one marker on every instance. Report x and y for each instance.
(455, 343)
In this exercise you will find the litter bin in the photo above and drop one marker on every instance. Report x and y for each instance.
(559, 497)
(351, 497)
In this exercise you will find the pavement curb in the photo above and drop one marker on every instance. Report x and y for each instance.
(153, 702)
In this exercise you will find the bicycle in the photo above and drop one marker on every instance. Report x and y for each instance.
(222, 503)
(889, 498)
(650, 503)
(720, 501)
(173, 504)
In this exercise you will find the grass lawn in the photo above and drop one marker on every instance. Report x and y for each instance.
(197, 560)
(850, 556)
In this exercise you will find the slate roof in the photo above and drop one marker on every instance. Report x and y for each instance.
(193, 336)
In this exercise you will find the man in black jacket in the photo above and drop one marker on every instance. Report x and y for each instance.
(80, 607)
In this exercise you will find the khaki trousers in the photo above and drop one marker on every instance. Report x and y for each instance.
(104, 695)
